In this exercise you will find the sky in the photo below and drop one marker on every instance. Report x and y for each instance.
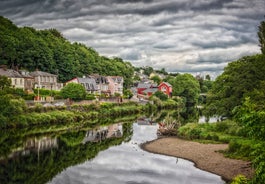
(185, 36)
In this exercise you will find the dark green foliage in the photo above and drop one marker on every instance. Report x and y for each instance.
(156, 79)
(241, 78)
(186, 86)
(252, 119)
(10, 107)
(127, 93)
(261, 35)
(4, 82)
(49, 51)
(161, 95)
(73, 91)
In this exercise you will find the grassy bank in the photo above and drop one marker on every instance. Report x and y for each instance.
(79, 114)
(240, 145)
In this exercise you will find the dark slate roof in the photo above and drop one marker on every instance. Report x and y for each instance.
(91, 81)
(99, 79)
(40, 73)
(150, 90)
(144, 85)
(10, 73)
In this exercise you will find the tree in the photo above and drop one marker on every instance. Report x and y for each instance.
(161, 95)
(73, 91)
(5, 82)
(261, 35)
(156, 79)
(208, 77)
(49, 51)
(240, 79)
(10, 107)
(186, 86)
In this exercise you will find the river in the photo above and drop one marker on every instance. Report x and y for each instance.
(108, 154)
(128, 163)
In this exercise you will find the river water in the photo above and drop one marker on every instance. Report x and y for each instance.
(127, 163)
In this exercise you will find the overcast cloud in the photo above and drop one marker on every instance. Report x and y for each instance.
(195, 36)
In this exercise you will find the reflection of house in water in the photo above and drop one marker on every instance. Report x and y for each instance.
(145, 121)
(102, 133)
(35, 145)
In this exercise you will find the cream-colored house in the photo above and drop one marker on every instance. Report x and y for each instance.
(45, 80)
(17, 80)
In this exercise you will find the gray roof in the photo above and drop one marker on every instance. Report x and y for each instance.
(150, 90)
(10, 73)
(40, 73)
(144, 85)
(90, 81)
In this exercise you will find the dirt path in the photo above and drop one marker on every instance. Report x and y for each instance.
(205, 156)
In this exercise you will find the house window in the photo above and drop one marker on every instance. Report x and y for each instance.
(15, 81)
(21, 81)
(163, 89)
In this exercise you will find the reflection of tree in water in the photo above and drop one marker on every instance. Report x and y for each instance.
(188, 115)
(43, 166)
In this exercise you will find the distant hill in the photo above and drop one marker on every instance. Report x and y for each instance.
(47, 50)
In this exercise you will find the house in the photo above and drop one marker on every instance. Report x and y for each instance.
(17, 80)
(102, 84)
(44, 80)
(88, 82)
(28, 80)
(166, 88)
(150, 91)
(143, 86)
(115, 84)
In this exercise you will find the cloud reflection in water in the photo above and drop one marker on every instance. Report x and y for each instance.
(128, 164)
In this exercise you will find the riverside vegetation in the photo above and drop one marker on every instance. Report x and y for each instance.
(238, 94)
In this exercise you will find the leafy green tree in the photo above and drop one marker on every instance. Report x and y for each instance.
(161, 95)
(5, 82)
(49, 51)
(208, 77)
(156, 79)
(73, 91)
(148, 70)
(261, 35)
(252, 119)
(10, 107)
(240, 79)
(186, 86)
(127, 93)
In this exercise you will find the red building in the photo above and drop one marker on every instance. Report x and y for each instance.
(166, 88)
(143, 86)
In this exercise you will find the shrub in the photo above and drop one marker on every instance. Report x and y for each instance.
(240, 179)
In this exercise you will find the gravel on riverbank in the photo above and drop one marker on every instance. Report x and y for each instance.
(205, 156)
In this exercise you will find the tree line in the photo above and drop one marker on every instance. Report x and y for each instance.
(47, 50)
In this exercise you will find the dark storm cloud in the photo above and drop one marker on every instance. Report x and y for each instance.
(178, 35)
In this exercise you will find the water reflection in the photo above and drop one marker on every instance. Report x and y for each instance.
(105, 154)
(38, 158)
(101, 133)
(36, 145)
(127, 163)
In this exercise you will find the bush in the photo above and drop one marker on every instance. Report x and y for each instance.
(240, 179)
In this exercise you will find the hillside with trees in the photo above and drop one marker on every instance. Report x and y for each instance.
(47, 50)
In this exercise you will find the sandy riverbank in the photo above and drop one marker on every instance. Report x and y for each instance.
(205, 156)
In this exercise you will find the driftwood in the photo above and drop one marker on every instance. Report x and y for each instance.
(168, 127)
